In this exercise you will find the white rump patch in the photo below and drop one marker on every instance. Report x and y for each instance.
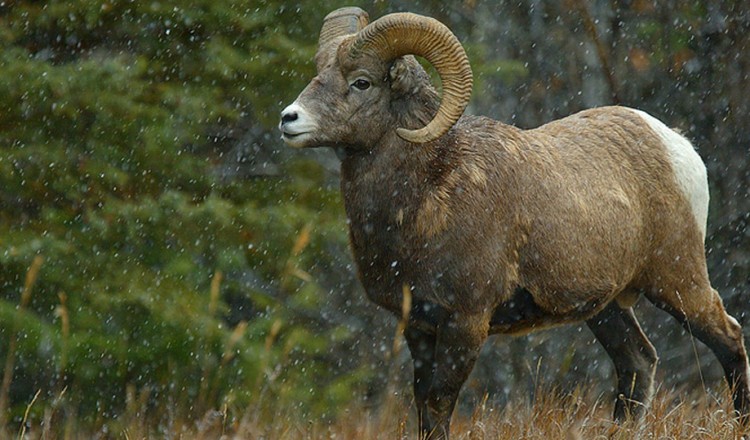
(689, 169)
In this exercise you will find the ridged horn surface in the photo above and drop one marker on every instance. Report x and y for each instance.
(400, 34)
(343, 21)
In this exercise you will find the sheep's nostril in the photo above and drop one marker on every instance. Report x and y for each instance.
(288, 117)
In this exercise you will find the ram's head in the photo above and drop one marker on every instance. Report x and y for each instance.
(366, 75)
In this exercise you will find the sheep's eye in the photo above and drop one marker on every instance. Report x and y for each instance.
(361, 84)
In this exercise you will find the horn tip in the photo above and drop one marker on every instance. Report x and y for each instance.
(417, 136)
(347, 11)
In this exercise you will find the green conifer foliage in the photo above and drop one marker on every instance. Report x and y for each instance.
(156, 273)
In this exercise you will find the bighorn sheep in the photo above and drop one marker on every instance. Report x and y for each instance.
(495, 229)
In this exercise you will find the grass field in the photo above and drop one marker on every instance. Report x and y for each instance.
(577, 415)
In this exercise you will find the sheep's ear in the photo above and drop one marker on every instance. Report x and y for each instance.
(406, 75)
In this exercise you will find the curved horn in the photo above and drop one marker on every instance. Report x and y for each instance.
(400, 34)
(343, 21)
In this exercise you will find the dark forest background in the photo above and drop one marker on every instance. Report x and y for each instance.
(158, 243)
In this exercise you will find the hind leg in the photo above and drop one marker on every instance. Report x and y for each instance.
(700, 310)
(634, 357)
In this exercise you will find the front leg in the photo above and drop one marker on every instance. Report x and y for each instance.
(459, 340)
(422, 348)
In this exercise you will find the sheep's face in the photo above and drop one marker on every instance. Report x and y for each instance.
(349, 103)
(369, 84)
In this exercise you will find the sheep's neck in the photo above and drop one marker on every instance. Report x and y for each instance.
(379, 190)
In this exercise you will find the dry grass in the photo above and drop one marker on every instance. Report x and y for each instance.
(574, 416)
(553, 415)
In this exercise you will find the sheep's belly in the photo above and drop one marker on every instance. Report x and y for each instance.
(520, 314)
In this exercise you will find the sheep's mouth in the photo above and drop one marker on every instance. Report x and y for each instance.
(288, 135)
(292, 135)
(294, 139)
